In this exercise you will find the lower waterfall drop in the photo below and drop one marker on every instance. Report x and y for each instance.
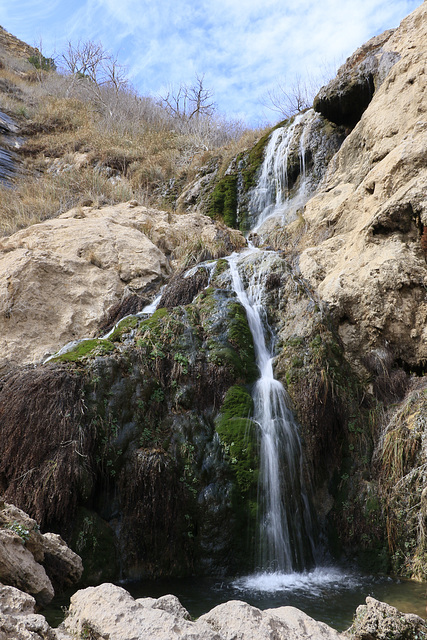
(286, 541)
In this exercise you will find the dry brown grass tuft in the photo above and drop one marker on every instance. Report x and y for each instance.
(133, 148)
(45, 407)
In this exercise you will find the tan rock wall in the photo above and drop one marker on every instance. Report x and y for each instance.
(362, 250)
(58, 278)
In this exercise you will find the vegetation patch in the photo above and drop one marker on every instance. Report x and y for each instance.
(223, 201)
(123, 327)
(84, 349)
(238, 435)
(44, 447)
(403, 465)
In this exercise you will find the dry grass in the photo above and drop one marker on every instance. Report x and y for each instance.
(132, 147)
(43, 406)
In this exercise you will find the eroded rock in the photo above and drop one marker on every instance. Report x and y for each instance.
(33, 562)
(236, 620)
(347, 96)
(379, 621)
(18, 621)
(111, 612)
(362, 249)
(59, 278)
(18, 568)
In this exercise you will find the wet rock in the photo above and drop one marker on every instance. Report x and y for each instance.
(183, 290)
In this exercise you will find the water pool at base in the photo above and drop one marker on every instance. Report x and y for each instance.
(330, 595)
(327, 594)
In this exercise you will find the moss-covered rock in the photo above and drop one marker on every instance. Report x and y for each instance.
(238, 435)
(85, 348)
(223, 201)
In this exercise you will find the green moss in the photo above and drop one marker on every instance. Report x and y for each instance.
(238, 435)
(221, 266)
(240, 336)
(153, 320)
(86, 348)
(123, 326)
(223, 201)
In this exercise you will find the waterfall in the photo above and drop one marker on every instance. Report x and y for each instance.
(272, 196)
(286, 539)
(285, 528)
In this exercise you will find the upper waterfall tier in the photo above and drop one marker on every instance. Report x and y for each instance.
(295, 160)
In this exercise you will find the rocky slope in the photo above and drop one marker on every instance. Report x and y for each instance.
(60, 278)
(146, 448)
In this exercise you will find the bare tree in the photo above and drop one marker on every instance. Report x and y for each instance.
(292, 99)
(189, 101)
(92, 66)
(41, 64)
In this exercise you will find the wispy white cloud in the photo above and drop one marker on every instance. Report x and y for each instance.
(244, 47)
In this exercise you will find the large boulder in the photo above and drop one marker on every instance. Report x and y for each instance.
(59, 278)
(379, 621)
(18, 621)
(109, 611)
(18, 568)
(36, 563)
(236, 620)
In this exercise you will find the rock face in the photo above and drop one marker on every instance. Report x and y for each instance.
(60, 277)
(9, 140)
(31, 561)
(364, 252)
(18, 620)
(346, 97)
(379, 621)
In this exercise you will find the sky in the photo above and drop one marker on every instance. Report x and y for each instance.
(243, 48)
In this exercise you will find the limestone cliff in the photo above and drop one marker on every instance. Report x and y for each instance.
(362, 250)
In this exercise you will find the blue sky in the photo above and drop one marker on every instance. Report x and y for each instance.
(244, 48)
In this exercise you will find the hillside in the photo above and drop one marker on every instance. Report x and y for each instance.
(140, 440)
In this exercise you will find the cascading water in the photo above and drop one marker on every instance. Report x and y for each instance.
(286, 540)
(285, 531)
(270, 197)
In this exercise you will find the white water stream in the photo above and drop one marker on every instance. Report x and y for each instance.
(270, 197)
(286, 540)
(285, 529)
